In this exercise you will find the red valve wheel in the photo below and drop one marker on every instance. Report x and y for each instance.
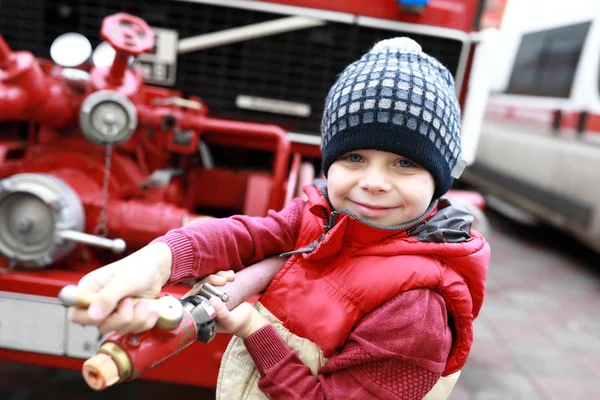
(127, 34)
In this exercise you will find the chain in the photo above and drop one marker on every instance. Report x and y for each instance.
(101, 229)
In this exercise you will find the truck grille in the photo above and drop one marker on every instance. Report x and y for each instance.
(297, 66)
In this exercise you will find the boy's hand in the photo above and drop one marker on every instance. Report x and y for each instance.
(242, 321)
(218, 279)
(141, 274)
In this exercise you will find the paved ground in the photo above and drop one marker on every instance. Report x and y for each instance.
(537, 338)
(538, 335)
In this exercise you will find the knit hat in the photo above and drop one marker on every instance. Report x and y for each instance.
(400, 100)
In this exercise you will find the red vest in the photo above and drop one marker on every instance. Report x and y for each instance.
(322, 295)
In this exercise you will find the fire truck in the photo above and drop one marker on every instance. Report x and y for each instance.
(122, 119)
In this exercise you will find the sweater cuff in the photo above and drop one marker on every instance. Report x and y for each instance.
(182, 267)
(266, 347)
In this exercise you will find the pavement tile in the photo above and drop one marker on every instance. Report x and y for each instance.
(482, 330)
(521, 333)
(561, 388)
(531, 299)
(547, 317)
(489, 384)
(543, 360)
(589, 362)
(586, 307)
(567, 339)
(498, 311)
(538, 334)
(585, 322)
(490, 354)
(504, 283)
(562, 289)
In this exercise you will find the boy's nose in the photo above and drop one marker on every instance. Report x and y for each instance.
(374, 182)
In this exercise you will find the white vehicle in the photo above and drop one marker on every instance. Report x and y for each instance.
(539, 149)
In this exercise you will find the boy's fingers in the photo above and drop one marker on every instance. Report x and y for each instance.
(90, 284)
(125, 309)
(120, 320)
(107, 299)
(229, 275)
(80, 316)
(219, 306)
(216, 280)
(222, 314)
(97, 279)
(148, 323)
(143, 317)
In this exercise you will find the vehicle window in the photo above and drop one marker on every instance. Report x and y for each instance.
(546, 61)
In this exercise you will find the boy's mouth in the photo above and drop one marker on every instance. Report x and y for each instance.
(371, 210)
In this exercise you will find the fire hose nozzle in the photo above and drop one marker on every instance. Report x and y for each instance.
(170, 309)
(100, 371)
(207, 290)
(109, 366)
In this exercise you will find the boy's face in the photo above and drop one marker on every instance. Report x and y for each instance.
(383, 188)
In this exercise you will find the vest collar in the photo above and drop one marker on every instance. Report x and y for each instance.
(343, 228)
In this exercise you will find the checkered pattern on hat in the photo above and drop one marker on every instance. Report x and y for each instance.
(398, 99)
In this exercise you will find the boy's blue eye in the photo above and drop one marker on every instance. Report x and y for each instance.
(406, 164)
(354, 158)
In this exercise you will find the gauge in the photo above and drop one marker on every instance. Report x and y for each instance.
(107, 117)
(70, 50)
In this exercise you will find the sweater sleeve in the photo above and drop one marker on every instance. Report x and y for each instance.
(398, 351)
(213, 245)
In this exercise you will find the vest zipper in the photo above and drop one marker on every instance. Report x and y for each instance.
(331, 221)
(333, 217)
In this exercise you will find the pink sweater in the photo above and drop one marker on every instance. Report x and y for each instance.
(398, 351)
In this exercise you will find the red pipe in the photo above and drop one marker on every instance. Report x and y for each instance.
(257, 131)
(153, 117)
(139, 223)
(117, 69)
(292, 184)
(13, 103)
(27, 94)
(54, 110)
(5, 51)
(59, 110)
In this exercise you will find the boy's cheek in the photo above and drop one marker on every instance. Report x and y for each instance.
(334, 195)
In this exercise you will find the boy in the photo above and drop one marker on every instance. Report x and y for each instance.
(383, 281)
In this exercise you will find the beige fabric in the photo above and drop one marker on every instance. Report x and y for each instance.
(238, 376)
(442, 389)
